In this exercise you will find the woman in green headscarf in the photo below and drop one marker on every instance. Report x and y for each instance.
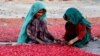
(78, 29)
(34, 28)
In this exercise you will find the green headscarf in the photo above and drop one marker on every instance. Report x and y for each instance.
(76, 17)
(34, 9)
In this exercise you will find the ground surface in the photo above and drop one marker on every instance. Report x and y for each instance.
(10, 24)
(10, 28)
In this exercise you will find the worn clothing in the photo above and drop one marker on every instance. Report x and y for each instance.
(77, 26)
(36, 28)
(79, 30)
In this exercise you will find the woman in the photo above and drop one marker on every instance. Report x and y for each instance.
(34, 28)
(78, 29)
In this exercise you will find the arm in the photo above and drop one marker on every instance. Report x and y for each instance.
(49, 35)
(32, 37)
(40, 41)
(81, 33)
(73, 41)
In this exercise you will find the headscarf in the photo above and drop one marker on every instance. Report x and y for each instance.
(76, 17)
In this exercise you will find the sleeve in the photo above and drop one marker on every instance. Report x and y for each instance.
(66, 35)
(48, 34)
(29, 33)
(81, 31)
(66, 31)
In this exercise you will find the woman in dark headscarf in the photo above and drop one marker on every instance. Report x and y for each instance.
(78, 29)
(34, 28)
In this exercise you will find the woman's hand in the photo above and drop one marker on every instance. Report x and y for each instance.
(40, 41)
(59, 41)
(71, 42)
